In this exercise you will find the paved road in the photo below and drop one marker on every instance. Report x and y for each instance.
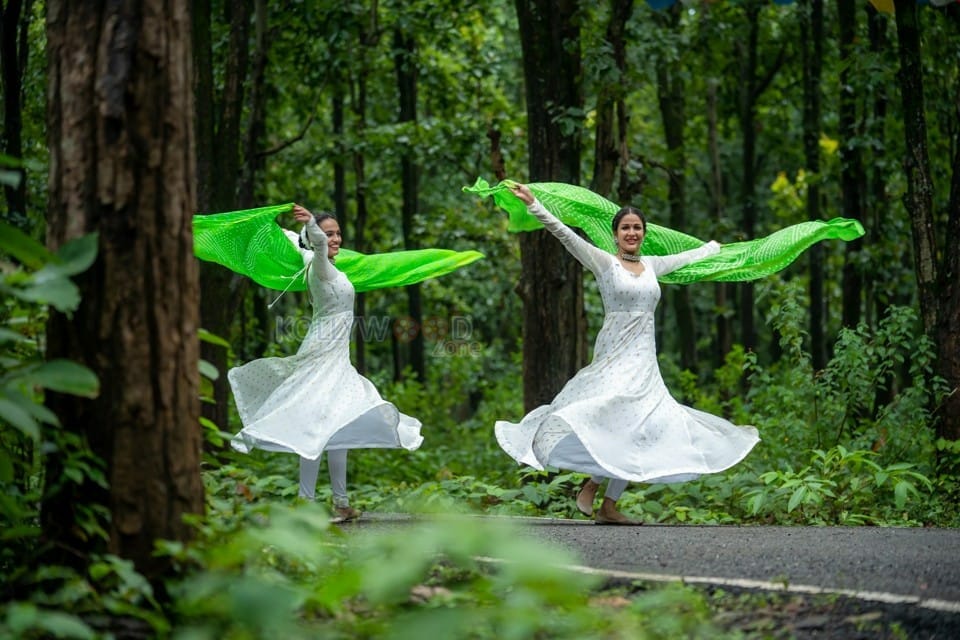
(911, 565)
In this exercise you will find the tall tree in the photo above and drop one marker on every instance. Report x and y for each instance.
(551, 284)
(611, 150)
(120, 134)
(754, 80)
(219, 126)
(938, 281)
(723, 292)
(405, 63)
(852, 175)
(811, 37)
(14, 48)
(671, 96)
(368, 35)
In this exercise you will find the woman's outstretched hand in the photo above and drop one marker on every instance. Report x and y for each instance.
(523, 192)
(301, 214)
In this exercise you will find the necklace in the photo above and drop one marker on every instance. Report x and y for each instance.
(631, 257)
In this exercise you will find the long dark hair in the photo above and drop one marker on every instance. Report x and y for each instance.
(319, 217)
(627, 211)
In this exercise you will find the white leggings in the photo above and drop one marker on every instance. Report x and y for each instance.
(310, 469)
(614, 488)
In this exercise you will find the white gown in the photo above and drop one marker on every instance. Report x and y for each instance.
(316, 400)
(615, 418)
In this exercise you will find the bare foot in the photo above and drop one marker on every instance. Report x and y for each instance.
(586, 496)
(608, 514)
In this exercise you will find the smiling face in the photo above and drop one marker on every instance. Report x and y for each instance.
(629, 233)
(331, 228)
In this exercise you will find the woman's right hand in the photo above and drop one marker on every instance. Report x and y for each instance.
(301, 214)
(523, 192)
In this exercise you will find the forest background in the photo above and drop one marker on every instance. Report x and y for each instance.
(725, 120)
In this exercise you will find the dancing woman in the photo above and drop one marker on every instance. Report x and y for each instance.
(615, 419)
(315, 400)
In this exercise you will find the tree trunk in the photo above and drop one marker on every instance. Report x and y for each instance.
(748, 183)
(672, 99)
(339, 164)
(721, 293)
(253, 156)
(405, 62)
(852, 175)
(938, 287)
(879, 301)
(120, 133)
(360, 194)
(948, 321)
(610, 131)
(14, 46)
(551, 284)
(812, 38)
(916, 163)
(218, 160)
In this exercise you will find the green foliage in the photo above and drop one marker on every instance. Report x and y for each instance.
(286, 572)
(37, 278)
(840, 487)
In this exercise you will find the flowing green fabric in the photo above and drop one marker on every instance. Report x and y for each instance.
(251, 243)
(737, 261)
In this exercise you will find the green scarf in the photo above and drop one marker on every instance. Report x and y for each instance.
(737, 261)
(251, 243)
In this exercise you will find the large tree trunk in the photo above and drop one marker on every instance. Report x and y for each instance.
(14, 46)
(405, 62)
(672, 99)
(120, 133)
(938, 284)
(722, 291)
(551, 284)
(812, 38)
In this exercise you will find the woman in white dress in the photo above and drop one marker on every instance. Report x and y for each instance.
(315, 400)
(615, 419)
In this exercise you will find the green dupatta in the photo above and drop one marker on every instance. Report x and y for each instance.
(251, 243)
(737, 261)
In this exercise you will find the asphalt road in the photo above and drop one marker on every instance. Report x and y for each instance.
(914, 566)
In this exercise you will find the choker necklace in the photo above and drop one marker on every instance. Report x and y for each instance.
(631, 257)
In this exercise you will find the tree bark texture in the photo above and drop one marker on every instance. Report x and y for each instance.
(948, 321)
(551, 284)
(120, 134)
(610, 145)
(812, 37)
(405, 63)
(14, 45)
(748, 179)
(852, 174)
(218, 122)
(722, 291)
(671, 95)
(938, 287)
(916, 162)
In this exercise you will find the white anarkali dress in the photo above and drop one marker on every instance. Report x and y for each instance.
(316, 400)
(615, 418)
